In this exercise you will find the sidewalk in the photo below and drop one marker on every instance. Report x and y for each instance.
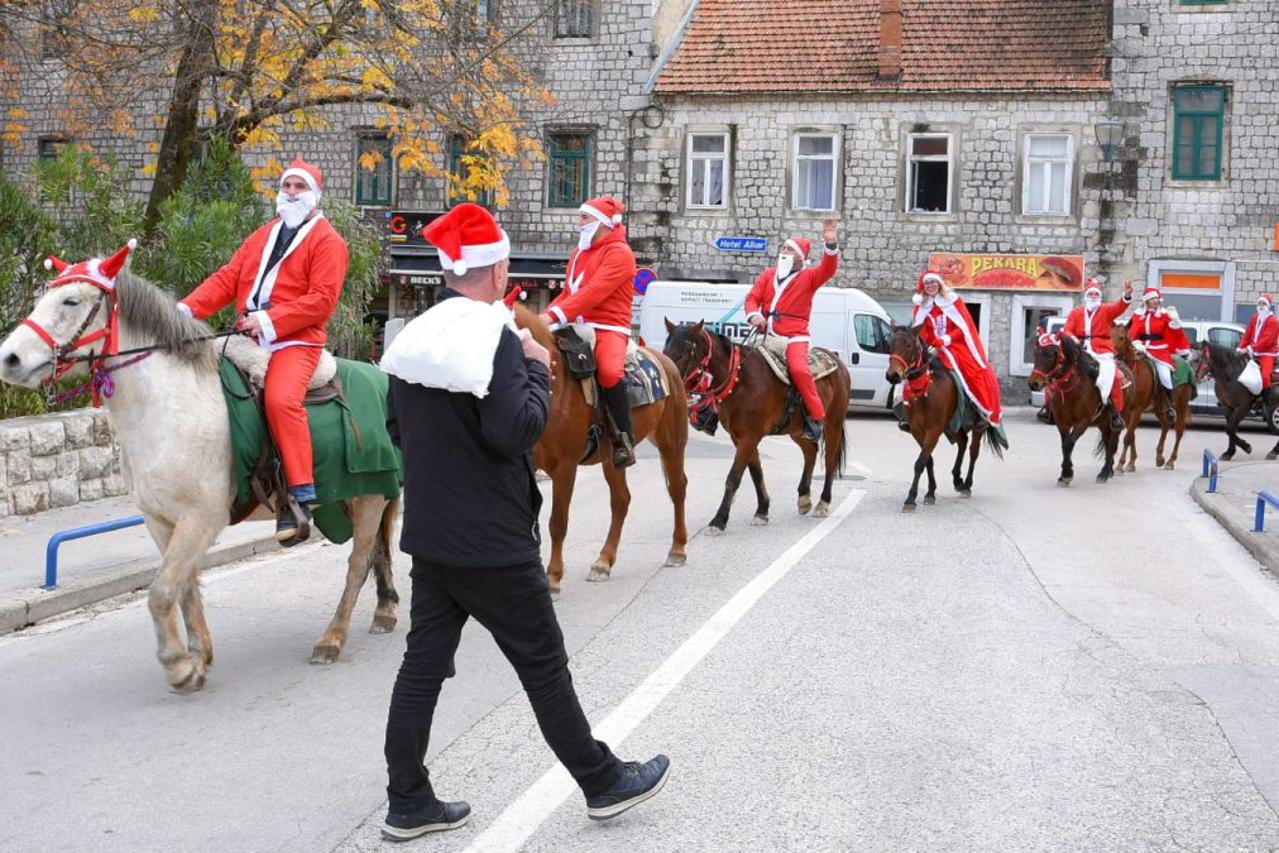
(96, 567)
(1234, 504)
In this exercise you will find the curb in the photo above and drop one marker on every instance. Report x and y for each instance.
(1266, 552)
(20, 609)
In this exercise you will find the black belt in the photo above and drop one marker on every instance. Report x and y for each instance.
(1154, 337)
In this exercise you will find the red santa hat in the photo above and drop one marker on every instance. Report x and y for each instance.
(798, 245)
(99, 272)
(606, 209)
(1093, 285)
(466, 238)
(1151, 293)
(1266, 298)
(308, 172)
(925, 276)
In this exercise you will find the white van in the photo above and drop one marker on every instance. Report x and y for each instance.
(845, 321)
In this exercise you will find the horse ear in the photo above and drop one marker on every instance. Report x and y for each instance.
(670, 327)
(699, 325)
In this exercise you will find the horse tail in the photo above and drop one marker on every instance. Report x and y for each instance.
(1100, 450)
(993, 443)
(843, 447)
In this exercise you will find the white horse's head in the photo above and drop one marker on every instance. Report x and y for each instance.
(72, 318)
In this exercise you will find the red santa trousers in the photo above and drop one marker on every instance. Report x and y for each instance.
(802, 379)
(610, 357)
(286, 379)
(980, 383)
(1266, 363)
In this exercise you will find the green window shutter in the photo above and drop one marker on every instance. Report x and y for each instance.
(373, 187)
(1199, 118)
(569, 169)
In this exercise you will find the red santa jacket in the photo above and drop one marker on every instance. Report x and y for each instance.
(789, 306)
(1160, 332)
(1263, 337)
(600, 285)
(959, 328)
(302, 289)
(1093, 328)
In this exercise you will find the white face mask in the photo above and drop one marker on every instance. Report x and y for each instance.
(785, 263)
(294, 212)
(1092, 303)
(586, 235)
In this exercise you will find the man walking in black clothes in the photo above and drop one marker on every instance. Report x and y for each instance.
(468, 400)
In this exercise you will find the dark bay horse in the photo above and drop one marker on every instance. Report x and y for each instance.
(1224, 364)
(1068, 372)
(559, 452)
(933, 395)
(752, 404)
(1143, 400)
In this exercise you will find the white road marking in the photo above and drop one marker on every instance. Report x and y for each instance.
(858, 467)
(522, 818)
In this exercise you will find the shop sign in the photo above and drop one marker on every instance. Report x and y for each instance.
(1060, 273)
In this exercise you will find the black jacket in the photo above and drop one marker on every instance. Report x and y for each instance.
(470, 498)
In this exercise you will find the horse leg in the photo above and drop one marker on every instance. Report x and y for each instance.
(834, 442)
(366, 517)
(1233, 420)
(746, 448)
(921, 464)
(619, 504)
(805, 501)
(761, 492)
(189, 539)
(199, 640)
(1111, 439)
(974, 450)
(383, 559)
(1183, 415)
(1164, 425)
(677, 487)
(1068, 439)
(930, 497)
(563, 478)
(956, 480)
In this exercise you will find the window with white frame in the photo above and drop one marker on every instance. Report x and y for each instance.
(929, 172)
(1047, 174)
(708, 170)
(813, 171)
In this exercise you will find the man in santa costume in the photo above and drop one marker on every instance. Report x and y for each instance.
(285, 281)
(598, 290)
(781, 302)
(1261, 341)
(1092, 323)
(1157, 331)
(945, 324)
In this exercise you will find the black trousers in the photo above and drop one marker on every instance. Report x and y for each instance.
(514, 604)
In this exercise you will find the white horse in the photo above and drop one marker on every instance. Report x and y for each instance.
(170, 418)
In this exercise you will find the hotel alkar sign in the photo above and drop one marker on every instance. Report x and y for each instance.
(1056, 273)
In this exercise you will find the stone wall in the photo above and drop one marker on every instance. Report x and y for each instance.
(57, 460)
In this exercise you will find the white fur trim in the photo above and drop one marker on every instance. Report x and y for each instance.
(918, 299)
(132, 244)
(829, 251)
(606, 221)
(265, 281)
(268, 328)
(186, 309)
(791, 244)
(758, 314)
(48, 263)
(932, 276)
(555, 312)
(474, 257)
(305, 176)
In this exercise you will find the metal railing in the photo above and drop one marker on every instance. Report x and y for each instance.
(1210, 470)
(1263, 498)
(51, 551)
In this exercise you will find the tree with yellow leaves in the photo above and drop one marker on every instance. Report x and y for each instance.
(249, 70)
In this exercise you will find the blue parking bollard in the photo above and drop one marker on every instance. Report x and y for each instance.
(1263, 498)
(51, 551)
(1210, 470)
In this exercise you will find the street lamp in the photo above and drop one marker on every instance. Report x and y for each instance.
(1110, 132)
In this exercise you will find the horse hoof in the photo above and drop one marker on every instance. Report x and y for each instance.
(187, 677)
(929, 500)
(805, 504)
(1103, 479)
(382, 625)
(1063, 481)
(1168, 467)
(713, 530)
(597, 574)
(674, 560)
(822, 510)
(966, 493)
(1270, 457)
(1226, 457)
(325, 653)
(1132, 466)
(909, 506)
(759, 520)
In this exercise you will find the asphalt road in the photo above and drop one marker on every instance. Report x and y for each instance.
(1035, 668)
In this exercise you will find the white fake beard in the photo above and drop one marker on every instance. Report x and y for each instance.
(294, 212)
(1092, 304)
(1263, 311)
(586, 235)
(785, 263)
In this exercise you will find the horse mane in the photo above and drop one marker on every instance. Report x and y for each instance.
(526, 318)
(1227, 357)
(152, 314)
(1075, 352)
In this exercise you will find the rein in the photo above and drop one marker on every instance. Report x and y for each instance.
(700, 382)
(1062, 378)
(916, 373)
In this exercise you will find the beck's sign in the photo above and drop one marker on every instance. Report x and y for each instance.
(1064, 273)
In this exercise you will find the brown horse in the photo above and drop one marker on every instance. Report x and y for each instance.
(752, 403)
(934, 396)
(1144, 381)
(1224, 364)
(1068, 373)
(559, 452)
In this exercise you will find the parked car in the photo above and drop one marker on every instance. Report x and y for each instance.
(1217, 331)
(845, 320)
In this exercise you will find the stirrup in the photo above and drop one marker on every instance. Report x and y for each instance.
(623, 452)
(295, 533)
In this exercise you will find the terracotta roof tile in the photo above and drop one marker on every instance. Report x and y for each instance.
(737, 46)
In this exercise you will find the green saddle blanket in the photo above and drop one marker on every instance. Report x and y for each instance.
(353, 452)
(965, 418)
(1184, 374)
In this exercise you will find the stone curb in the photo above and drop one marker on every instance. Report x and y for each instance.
(1260, 546)
(20, 609)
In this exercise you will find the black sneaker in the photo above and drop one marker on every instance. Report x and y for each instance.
(637, 783)
(291, 530)
(437, 817)
(812, 429)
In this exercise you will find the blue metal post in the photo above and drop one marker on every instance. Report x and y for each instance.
(51, 551)
(1210, 470)
(1263, 498)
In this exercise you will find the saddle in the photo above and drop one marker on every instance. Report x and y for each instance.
(252, 360)
(821, 362)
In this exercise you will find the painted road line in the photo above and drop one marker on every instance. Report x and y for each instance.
(523, 817)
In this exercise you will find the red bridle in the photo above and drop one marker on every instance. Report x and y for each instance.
(700, 383)
(916, 385)
(109, 333)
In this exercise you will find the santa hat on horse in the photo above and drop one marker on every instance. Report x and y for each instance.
(605, 208)
(99, 272)
(927, 276)
(467, 237)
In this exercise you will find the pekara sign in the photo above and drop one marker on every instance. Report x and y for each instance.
(1063, 273)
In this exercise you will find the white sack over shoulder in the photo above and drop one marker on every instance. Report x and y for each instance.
(451, 346)
(1250, 378)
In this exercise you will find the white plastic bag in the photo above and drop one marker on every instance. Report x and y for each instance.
(1250, 378)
